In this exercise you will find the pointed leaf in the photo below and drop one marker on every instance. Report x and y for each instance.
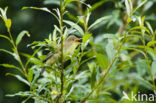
(3, 12)
(19, 78)
(102, 60)
(11, 66)
(99, 21)
(141, 67)
(153, 68)
(110, 50)
(149, 27)
(30, 75)
(139, 28)
(140, 51)
(68, 1)
(76, 26)
(151, 43)
(128, 9)
(20, 36)
(8, 23)
(8, 52)
(3, 36)
(55, 2)
(141, 4)
(42, 9)
(86, 38)
(27, 93)
(93, 78)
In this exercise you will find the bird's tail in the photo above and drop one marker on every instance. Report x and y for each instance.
(43, 69)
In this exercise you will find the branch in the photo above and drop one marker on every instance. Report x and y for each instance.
(62, 46)
(107, 72)
(122, 27)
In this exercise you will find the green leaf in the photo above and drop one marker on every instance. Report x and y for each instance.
(151, 52)
(86, 60)
(81, 75)
(42, 9)
(8, 65)
(3, 36)
(20, 36)
(101, 37)
(91, 66)
(87, 18)
(74, 25)
(141, 81)
(85, 40)
(29, 57)
(110, 50)
(129, 7)
(19, 78)
(8, 23)
(141, 67)
(16, 56)
(148, 5)
(11, 66)
(140, 28)
(57, 29)
(102, 60)
(99, 21)
(149, 27)
(30, 75)
(75, 67)
(56, 2)
(129, 20)
(25, 100)
(95, 5)
(93, 78)
(68, 1)
(141, 4)
(32, 59)
(128, 48)
(153, 68)
(8, 52)
(3, 12)
(150, 43)
(109, 36)
(114, 18)
(54, 35)
(27, 93)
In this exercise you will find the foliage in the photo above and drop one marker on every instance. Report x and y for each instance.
(99, 67)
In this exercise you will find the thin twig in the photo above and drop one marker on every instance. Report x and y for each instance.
(122, 27)
(16, 50)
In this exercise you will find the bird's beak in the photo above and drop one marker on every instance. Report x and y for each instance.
(78, 40)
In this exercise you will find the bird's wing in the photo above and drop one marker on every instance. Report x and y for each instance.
(49, 55)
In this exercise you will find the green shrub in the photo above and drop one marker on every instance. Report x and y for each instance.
(100, 66)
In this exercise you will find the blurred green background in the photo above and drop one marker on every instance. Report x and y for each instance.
(40, 24)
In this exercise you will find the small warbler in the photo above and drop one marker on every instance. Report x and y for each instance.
(69, 47)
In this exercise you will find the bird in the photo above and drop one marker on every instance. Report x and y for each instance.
(70, 44)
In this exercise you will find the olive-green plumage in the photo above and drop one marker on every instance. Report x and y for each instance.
(70, 45)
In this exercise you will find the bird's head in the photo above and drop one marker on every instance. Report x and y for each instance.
(71, 43)
(73, 40)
